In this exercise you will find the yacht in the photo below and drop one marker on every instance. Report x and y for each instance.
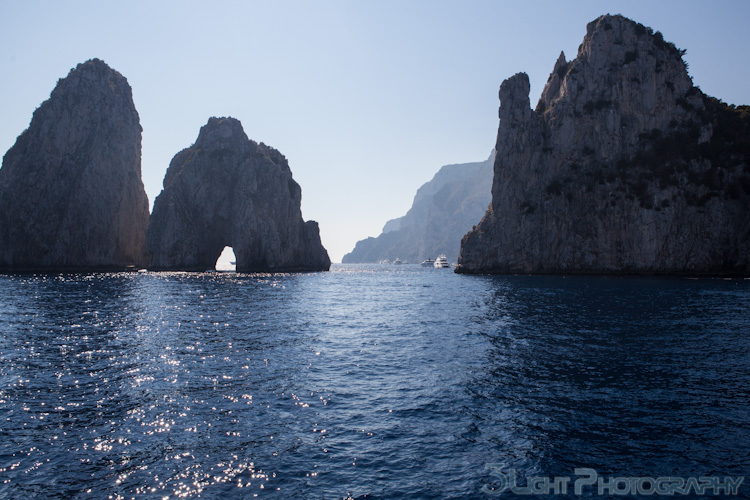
(441, 261)
(428, 263)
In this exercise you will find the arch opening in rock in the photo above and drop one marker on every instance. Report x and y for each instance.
(227, 261)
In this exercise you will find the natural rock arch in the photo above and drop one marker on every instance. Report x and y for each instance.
(226, 190)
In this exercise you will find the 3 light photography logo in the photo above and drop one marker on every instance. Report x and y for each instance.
(587, 481)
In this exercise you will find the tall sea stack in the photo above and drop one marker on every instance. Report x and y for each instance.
(625, 167)
(71, 194)
(226, 190)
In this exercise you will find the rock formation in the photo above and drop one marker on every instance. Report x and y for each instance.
(443, 210)
(71, 195)
(226, 190)
(624, 167)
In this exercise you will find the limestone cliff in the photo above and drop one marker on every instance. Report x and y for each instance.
(226, 190)
(71, 195)
(443, 210)
(624, 167)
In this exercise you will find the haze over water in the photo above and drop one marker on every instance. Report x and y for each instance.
(387, 382)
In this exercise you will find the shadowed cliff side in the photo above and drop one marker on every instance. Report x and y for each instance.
(226, 190)
(71, 195)
(624, 167)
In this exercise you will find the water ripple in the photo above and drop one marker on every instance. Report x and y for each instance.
(365, 382)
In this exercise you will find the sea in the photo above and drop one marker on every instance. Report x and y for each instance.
(373, 382)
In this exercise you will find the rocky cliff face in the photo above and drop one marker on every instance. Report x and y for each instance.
(442, 211)
(71, 195)
(226, 190)
(624, 167)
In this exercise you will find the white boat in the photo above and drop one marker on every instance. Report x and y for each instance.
(397, 262)
(428, 263)
(442, 261)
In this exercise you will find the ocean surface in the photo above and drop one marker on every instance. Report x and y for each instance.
(378, 382)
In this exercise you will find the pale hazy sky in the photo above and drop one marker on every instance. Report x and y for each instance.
(367, 100)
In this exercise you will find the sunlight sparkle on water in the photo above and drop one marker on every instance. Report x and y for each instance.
(365, 381)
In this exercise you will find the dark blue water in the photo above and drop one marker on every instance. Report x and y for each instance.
(365, 382)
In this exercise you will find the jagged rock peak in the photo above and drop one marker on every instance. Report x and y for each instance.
(617, 49)
(561, 65)
(624, 167)
(226, 190)
(70, 187)
(217, 131)
(227, 132)
(89, 75)
(514, 97)
(224, 138)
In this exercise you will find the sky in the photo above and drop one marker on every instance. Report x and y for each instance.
(366, 99)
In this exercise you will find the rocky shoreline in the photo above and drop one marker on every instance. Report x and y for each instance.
(623, 167)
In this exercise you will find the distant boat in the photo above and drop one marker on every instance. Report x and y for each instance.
(441, 261)
(397, 262)
(428, 263)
